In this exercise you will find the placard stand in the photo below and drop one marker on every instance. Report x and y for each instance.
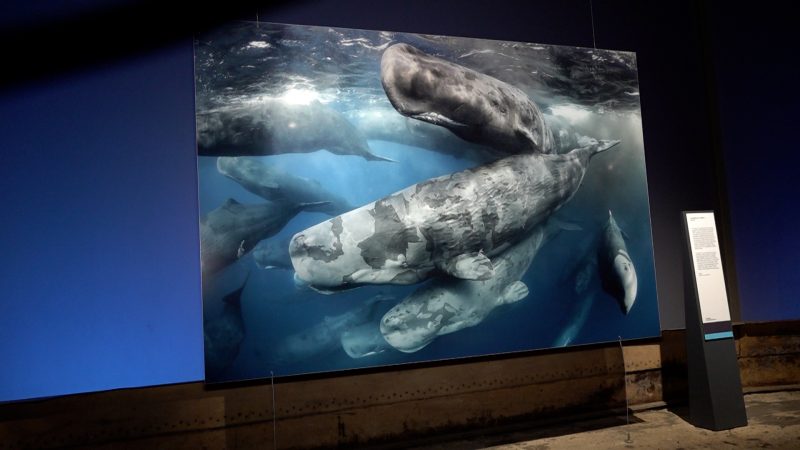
(715, 388)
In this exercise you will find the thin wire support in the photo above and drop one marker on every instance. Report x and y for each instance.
(274, 413)
(628, 439)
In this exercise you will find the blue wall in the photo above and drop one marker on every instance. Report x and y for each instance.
(755, 61)
(100, 279)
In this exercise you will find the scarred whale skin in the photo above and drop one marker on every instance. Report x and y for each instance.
(476, 107)
(617, 272)
(446, 305)
(276, 185)
(273, 126)
(451, 223)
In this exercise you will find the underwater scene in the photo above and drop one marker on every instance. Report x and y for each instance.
(375, 198)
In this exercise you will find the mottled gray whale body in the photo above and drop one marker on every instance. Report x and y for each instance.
(446, 305)
(276, 185)
(451, 224)
(617, 273)
(273, 126)
(232, 230)
(476, 107)
(223, 334)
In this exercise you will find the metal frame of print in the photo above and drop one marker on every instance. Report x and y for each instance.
(376, 198)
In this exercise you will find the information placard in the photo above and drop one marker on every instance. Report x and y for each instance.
(709, 278)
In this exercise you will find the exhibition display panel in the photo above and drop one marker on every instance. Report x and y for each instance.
(374, 198)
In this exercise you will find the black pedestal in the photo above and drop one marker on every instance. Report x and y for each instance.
(715, 388)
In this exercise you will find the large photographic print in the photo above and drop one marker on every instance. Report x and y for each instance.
(373, 198)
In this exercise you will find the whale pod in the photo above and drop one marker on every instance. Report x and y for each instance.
(452, 224)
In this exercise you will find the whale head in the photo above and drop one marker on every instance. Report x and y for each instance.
(409, 326)
(429, 312)
(318, 256)
(626, 274)
(368, 245)
(363, 340)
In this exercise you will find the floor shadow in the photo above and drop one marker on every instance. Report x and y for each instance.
(517, 432)
(674, 373)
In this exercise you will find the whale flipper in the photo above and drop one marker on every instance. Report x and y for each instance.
(514, 292)
(373, 157)
(307, 205)
(469, 266)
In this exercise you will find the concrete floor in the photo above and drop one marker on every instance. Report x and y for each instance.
(773, 422)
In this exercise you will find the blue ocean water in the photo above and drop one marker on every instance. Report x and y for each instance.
(291, 329)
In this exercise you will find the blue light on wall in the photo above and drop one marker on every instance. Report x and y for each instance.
(754, 59)
(100, 280)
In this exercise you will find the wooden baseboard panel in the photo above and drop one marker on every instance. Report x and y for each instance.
(390, 405)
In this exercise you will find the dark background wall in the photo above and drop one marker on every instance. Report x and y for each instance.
(100, 278)
(755, 77)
